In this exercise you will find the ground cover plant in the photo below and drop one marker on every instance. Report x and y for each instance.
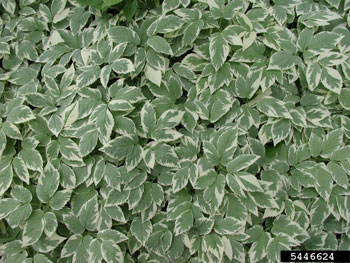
(173, 131)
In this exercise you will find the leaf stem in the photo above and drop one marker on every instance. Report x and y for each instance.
(266, 93)
(2, 228)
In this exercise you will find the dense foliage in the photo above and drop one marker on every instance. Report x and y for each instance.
(175, 131)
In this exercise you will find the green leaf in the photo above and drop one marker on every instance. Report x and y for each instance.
(283, 225)
(233, 183)
(181, 177)
(331, 59)
(70, 114)
(338, 174)
(60, 199)
(169, 5)
(111, 252)
(32, 159)
(3, 142)
(241, 162)
(226, 144)
(95, 251)
(165, 135)
(40, 258)
(6, 176)
(313, 75)
(134, 158)
(20, 114)
(341, 154)
(260, 240)
(109, 3)
(73, 224)
(20, 215)
(130, 9)
(48, 183)
(219, 109)
(153, 75)
(104, 124)
(148, 118)
(116, 213)
(123, 66)
(231, 36)
(218, 50)
(184, 222)
(236, 208)
(140, 133)
(280, 14)
(50, 223)
(34, 228)
(214, 194)
(332, 141)
(165, 155)
(319, 212)
(23, 76)
(274, 249)
(315, 145)
(27, 50)
(325, 181)
(120, 105)
(67, 176)
(281, 129)
(344, 98)
(184, 71)
(165, 24)
(160, 241)
(130, 94)
(117, 52)
(71, 246)
(169, 119)
(11, 130)
(88, 76)
(159, 45)
(21, 194)
(55, 124)
(192, 31)
(112, 176)
(141, 230)
(88, 214)
(248, 182)
(69, 149)
(214, 245)
(157, 194)
(124, 126)
(88, 142)
(120, 34)
(7, 206)
(119, 148)
(331, 79)
(273, 107)
(204, 225)
(248, 39)
(282, 60)
(323, 42)
(105, 75)
(57, 6)
(67, 78)
(112, 235)
(227, 226)
(246, 88)
(81, 254)
(9, 6)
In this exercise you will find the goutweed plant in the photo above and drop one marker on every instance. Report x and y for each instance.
(175, 131)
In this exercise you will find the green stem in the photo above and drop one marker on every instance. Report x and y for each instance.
(266, 93)
(2, 228)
